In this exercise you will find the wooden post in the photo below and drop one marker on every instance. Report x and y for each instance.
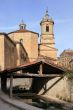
(3, 83)
(41, 69)
(11, 86)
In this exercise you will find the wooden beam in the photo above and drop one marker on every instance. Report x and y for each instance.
(11, 86)
(33, 75)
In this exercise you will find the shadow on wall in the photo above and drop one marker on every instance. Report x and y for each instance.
(40, 83)
(52, 86)
(21, 56)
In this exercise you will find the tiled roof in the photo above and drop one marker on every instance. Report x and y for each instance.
(70, 53)
(9, 70)
(23, 31)
(67, 52)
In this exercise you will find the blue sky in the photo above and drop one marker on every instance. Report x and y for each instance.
(32, 11)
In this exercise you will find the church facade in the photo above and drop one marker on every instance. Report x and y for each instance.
(21, 46)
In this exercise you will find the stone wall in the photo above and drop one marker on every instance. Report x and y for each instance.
(58, 87)
(65, 58)
(1, 52)
(22, 56)
(30, 43)
(7, 52)
(45, 50)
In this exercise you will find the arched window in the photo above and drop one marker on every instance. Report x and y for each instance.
(21, 40)
(47, 28)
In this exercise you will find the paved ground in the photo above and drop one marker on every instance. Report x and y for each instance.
(50, 105)
(5, 106)
(47, 103)
(53, 105)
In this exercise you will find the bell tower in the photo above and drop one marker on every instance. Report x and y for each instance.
(47, 43)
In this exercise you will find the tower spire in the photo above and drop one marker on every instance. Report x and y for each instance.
(22, 21)
(46, 15)
(47, 10)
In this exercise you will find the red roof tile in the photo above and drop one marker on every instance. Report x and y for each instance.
(70, 53)
(31, 63)
(22, 31)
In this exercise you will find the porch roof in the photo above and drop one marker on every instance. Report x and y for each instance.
(33, 67)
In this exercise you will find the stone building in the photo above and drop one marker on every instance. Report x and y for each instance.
(7, 52)
(22, 45)
(71, 64)
(11, 53)
(47, 43)
(65, 58)
(22, 56)
(29, 40)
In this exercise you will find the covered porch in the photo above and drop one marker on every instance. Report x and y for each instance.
(39, 71)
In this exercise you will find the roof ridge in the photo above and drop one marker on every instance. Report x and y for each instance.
(22, 30)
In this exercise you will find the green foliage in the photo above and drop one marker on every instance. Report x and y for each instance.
(69, 74)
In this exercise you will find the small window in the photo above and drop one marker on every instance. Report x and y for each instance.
(47, 28)
(21, 40)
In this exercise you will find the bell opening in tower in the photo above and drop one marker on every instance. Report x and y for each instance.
(47, 28)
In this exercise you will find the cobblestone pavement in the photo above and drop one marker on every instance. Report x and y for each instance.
(5, 106)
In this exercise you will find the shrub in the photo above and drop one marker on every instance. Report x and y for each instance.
(69, 74)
